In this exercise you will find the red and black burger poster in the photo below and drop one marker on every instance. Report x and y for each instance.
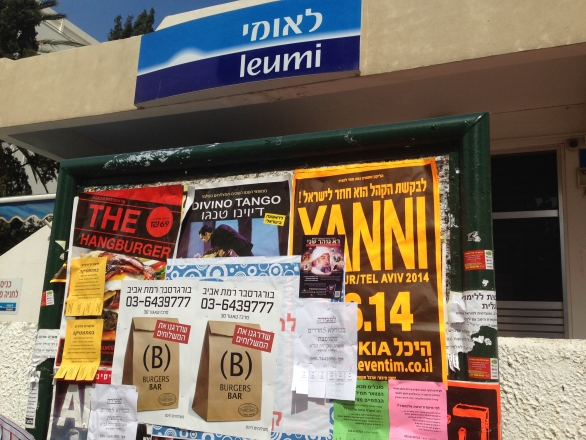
(136, 231)
(141, 222)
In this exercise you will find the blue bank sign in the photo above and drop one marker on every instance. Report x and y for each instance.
(283, 39)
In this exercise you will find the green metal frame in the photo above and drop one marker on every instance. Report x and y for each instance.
(465, 138)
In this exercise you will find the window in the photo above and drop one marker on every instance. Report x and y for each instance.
(527, 245)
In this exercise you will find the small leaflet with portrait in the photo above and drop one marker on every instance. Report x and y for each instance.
(322, 267)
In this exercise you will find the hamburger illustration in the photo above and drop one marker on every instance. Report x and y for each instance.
(122, 267)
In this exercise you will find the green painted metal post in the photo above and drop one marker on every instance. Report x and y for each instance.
(50, 316)
(476, 222)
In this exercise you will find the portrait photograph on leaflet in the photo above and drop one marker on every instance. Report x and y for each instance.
(322, 267)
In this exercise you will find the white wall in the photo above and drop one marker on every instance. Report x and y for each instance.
(543, 388)
(18, 332)
(16, 342)
(27, 261)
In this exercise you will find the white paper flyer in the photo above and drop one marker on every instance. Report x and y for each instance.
(326, 350)
(113, 413)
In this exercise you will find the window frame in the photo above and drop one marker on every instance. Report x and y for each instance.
(558, 148)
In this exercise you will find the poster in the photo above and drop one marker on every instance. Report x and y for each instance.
(10, 293)
(325, 351)
(322, 266)
(70, 410)
(295, 415)
(30, 416)
(154, 365)
(134, 231)
(367, 418)
(113, 413)
(240, 218)
(417, 410)
(45, 347)
(81, 353)
(474, 411)
(472, 329)
(389, 213)
(86, 287)
(213, 376)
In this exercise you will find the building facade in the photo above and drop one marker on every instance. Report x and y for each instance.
(522, 61)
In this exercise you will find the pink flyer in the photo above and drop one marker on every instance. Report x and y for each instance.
(417, 410)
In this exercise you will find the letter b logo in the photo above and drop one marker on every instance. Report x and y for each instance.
(236, 367)
(157, 361)
(157, 358)
(236, 364)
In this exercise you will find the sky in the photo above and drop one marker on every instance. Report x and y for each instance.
(96, 17)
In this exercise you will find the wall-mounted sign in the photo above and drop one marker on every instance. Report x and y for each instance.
(10, 293)
(283, 39)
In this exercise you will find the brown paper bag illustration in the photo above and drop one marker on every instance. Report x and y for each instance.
(152, 365)
(229, 380)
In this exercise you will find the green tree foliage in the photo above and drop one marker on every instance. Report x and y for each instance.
(142, 25)
(18, 22)
(14, 182)
(44, 169)
(13, 178)
(119, 32)
(127, 31)
(16, 231)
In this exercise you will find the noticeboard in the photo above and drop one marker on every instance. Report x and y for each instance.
(352, 268)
